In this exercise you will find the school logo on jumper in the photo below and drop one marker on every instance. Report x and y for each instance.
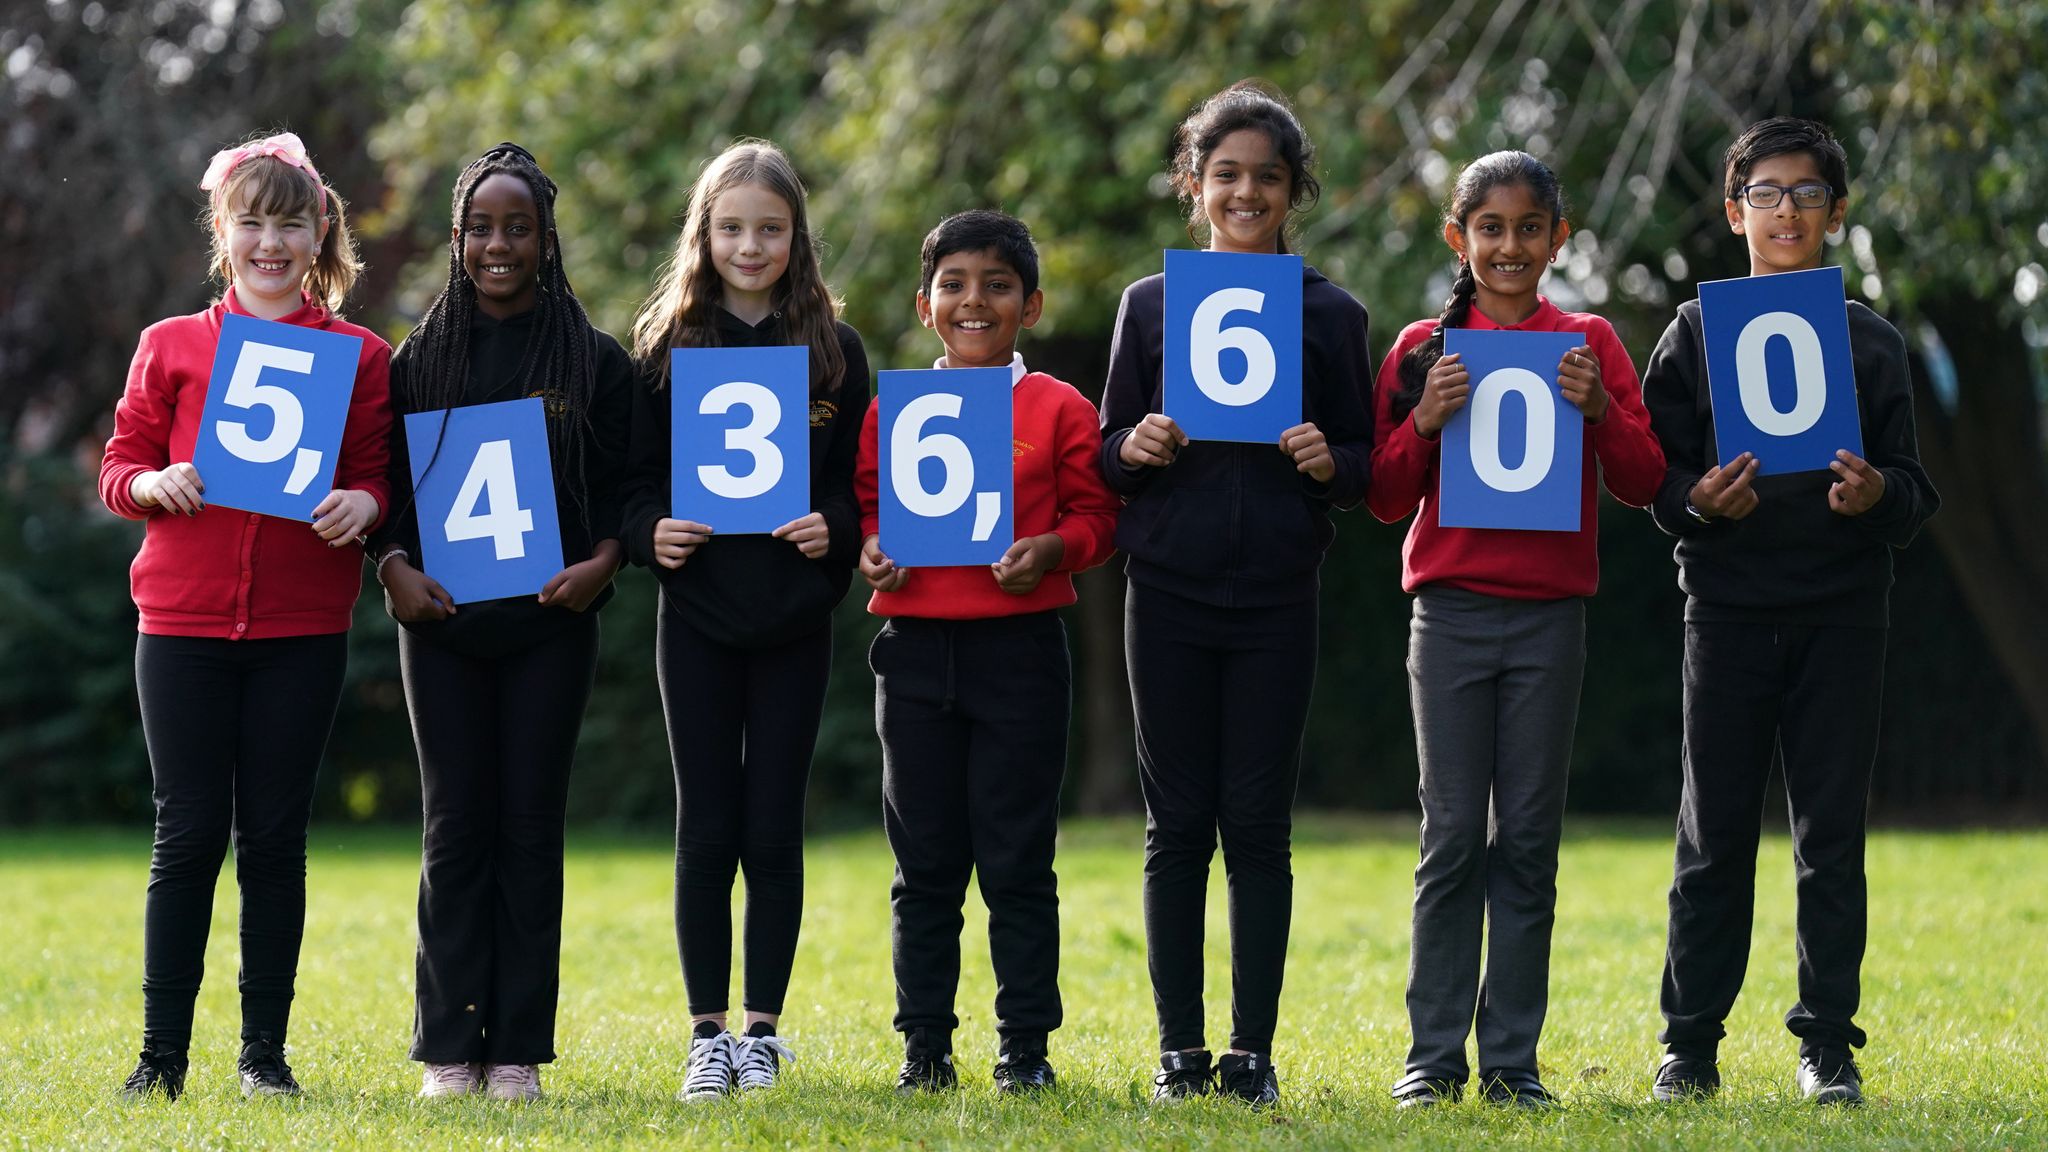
(1018, 448)
(822, 412)
(553, 400)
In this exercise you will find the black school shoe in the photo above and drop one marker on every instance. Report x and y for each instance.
(1830, 1077)
(927, 1064)
(264, 1072)
(1517, 1088)
(156, 1074)
(1683, 1078)
(1019, 1073)
(1249, 1077)
(1181, 1075)
(1423, 1088)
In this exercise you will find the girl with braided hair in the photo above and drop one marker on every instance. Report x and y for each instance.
(1498, 642)
(497, 689)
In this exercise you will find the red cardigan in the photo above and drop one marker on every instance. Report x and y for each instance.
(1059, 488)
(1499, 562)
(226, 573)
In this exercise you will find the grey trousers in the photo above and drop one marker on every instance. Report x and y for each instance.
(1494, 684)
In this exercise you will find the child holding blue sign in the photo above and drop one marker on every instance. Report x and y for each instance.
(1498, 644)
(244, 617)
(1787, 580)
(497, 688)
(973, 688)
(1225, 542)
(744, 639)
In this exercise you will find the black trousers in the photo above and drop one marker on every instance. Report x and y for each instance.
(1813, 695)
(235, 730)
(742, 724)
(973, 719)
(1221, 697)
(496, 737)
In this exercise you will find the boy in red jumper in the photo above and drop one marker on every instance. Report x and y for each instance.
(972, 683)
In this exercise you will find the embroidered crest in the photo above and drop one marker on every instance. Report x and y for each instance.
(822, 412)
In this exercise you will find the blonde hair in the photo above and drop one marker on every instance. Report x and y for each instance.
(268, 185)
(681, 312)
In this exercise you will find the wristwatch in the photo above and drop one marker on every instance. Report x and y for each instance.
(1696, 513)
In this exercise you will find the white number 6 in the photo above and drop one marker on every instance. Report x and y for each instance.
(908, 448)
(1209, 338)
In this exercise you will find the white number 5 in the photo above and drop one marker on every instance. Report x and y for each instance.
(490, 480)
(289, 418)
(1209, 338)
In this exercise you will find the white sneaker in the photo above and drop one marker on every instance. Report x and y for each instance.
(512, 1081)
(710, 1073)
(760, 1062)
(450, 1080)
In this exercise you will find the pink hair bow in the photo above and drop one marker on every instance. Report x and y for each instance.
(285, 146)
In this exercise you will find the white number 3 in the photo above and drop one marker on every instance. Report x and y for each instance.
(490, 480)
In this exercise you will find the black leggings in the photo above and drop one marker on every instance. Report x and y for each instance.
(1221, 697)
(235, 731)
(741, 727)
(496, 738)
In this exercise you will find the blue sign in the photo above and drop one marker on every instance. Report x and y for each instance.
(1779, 369)
(740, 437)
(947, 475)
(1514, 455)
(484, 488)
(1232, 345)
(275, 410)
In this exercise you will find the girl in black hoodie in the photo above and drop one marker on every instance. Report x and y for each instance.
(744, 639)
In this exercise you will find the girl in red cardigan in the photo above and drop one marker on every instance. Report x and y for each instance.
(244, 618)
(1498, 643)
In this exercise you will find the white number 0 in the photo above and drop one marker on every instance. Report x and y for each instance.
(289, 418)
(908, 448)
(751, 439)
(1541, 430)
(490, 480)
(1809, 374)
(1209, 338)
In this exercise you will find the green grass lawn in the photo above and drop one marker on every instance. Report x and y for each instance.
(1955, 993)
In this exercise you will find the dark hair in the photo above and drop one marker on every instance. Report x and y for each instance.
(980, 230)
(1245, 104)
(683, 311)
(1475, 183)
(1781, 135)
(560, 362)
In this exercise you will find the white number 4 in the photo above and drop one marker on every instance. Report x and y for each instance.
(490, 480)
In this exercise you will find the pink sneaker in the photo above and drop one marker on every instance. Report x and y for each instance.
(512, 1081)
(450, 1080)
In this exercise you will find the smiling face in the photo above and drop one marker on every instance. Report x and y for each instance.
(976, 303)
(1508, 238)
(1243, 193)
(1786, 238)
(502, 245)
(751, 228)
(269, 254)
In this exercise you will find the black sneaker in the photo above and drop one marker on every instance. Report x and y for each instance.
(1681, 1078)
(1423, 1088)
(1516, 1087)
(927, 1064)
(1181, 1075)
(264, 1072)
(1830, 1077)
(1248, 1076)
(1021, 1072)
(156, 1074)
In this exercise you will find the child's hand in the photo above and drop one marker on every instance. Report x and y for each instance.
(1860, 486)
(1578, 377)
(346, 514)
(674, 540)
(809, 533)
(415, 596)
(1724, 492)
(1027, 562)
(577, 585)
(176, 488)
(1311, 451)
(1154, 442)
(878, 570)
(1444, 391)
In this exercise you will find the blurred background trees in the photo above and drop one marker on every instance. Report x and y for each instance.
(898, 111)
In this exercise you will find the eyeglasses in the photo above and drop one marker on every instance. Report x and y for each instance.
(1803, 195)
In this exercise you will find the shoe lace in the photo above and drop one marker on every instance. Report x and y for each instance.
(758, 1057)
(265, 1061)
(513, 1077)
(710, 1063)
(451, 1075)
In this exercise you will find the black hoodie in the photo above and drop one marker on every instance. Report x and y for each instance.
(1236, 524)
(754, 591)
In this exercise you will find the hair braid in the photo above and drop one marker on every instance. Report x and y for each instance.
(1420, 359)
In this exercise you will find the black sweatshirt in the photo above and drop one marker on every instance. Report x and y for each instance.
(1235, 524)
(754, 591)
(1794, 560)
(497, 348)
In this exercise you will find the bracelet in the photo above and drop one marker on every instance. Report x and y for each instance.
(386, 559)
